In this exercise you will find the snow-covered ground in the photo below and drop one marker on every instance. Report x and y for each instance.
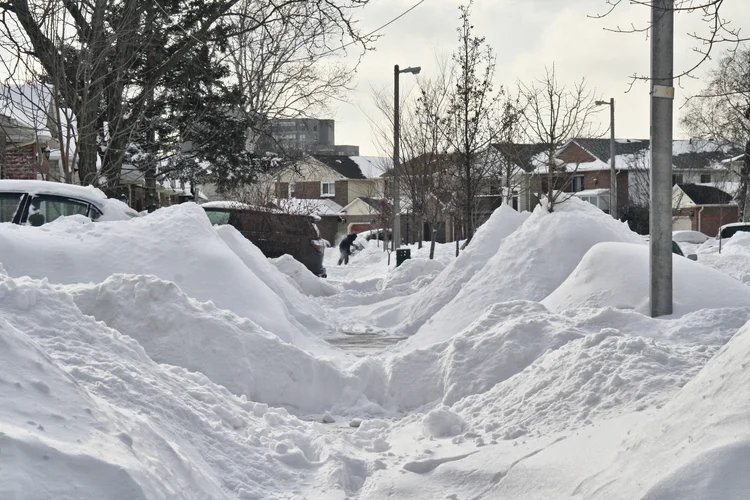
(162, 358)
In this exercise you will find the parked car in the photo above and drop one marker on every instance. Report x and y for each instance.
(273, 232)
(678, 251)
(692, 237)
(729, 230)
(39, 202)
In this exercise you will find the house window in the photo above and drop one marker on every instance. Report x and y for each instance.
(577, 183)
(677, 179)
(705, 178)
(327, 189)
(292, 189)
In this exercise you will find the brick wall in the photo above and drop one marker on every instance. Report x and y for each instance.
(342, 193)
(307, 190)
(20, 163)
(710, 219)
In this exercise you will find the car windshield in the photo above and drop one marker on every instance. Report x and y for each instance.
(8, 205)
(730, 231)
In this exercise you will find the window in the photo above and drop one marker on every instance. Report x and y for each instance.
(327, 188)
(8, 205)
(705, 178)
(577, 183)
(217, 218)
(292, 189)
(677, 179)
(45, 209)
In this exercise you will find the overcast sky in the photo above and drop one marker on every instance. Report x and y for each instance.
(526, 35)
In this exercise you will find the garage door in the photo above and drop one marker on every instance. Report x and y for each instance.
(682, 223)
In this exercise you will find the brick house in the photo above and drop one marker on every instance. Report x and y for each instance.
(587, 169)
(30, 137)
(702, 208)
(327, 186)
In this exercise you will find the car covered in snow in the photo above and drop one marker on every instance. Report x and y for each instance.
(36, 203)
(729, 230)
(274, 232)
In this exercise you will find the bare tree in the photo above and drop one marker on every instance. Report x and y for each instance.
(110, 61)
(471, 121)
(722, 112)
(717, 31)
(554, 114)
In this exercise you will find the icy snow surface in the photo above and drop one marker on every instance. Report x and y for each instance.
(164, 358)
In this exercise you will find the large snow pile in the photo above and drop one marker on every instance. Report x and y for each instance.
(413, 274)
(734, 258)
(698, 445)
(149, 431)
(529, 264)
(501, 343)
(616, 275)
(449, 282)
(305, 281)
(593, 378)
(308, 313)
(231, 351)
(175, 244)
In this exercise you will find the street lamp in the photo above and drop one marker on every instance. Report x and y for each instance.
(396, 232)
(612, 171)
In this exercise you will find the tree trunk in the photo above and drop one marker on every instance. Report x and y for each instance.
(457, 247)
(433, 237)
(745, 185)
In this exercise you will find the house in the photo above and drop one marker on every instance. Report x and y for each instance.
(36, 138)
(324, 182)
(702, 208)
(586, 170)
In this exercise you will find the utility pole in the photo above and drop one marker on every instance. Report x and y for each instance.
(662, 96)
(613, 209)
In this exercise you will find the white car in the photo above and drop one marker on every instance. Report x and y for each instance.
(39, 202)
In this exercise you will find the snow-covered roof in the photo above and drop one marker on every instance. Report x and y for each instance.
(373, 167)
(227, 204)
(593, 192)
(300, 206)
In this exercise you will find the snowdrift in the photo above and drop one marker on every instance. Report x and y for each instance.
(529, 264)
(231, 351)
(697, 447)
(616, 275)
(593, 378)
(175, 244)
(305, 281)
(449, 282)
(504, 341)
(110, 423)
(304, 310)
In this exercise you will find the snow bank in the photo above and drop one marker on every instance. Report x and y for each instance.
(413, 273)
(597, 377)
(231, 351)
(449, 282)
(504, 341)
(146, 430)
(304, 280)
(616, 275)
(304, 310)
(697, 447)
(529, 264)
(175, 243)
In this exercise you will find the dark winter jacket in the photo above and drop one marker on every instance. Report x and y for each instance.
(346, 243)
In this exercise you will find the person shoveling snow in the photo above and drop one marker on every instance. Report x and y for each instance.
(345, 247)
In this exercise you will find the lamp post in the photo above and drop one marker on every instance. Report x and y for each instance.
(612, 171)
(396, 232)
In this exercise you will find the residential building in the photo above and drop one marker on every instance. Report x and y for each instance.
(32, 140)
(702, 208)
(327, 186)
